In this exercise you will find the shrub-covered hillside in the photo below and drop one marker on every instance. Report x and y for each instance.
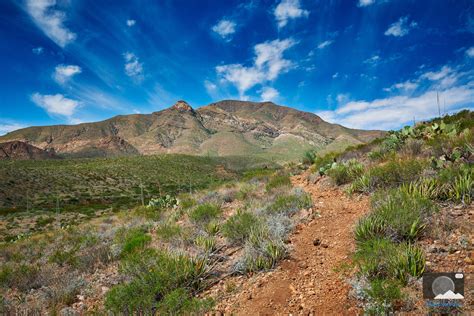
(421, 183)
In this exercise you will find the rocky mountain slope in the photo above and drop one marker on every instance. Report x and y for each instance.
(221, 129)
(22, 151)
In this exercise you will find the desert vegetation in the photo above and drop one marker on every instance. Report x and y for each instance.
(155, 258)
(410, 174)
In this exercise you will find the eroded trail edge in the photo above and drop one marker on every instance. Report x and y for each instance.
(313, 279)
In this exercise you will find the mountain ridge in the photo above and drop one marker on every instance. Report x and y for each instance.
(222, 128)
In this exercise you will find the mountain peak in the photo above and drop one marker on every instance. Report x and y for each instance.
(182, 106)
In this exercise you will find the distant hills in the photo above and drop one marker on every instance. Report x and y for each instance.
(225, 128)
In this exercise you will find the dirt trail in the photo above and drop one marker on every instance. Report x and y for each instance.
(307, 283)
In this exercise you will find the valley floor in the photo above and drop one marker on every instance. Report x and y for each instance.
(312, 279)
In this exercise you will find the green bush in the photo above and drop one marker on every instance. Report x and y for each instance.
(208, 244)
(22, 276)
(205, 212)
(370, 227)
(462, 189)
(383, 295)
(290, 204)
(278, 181)
(346, 172)
(360, 184)
(155, 277)
(168, 231)
(135, 239)
(257, 174)
(239, 226)
(147, 212)
(396, 172)
(382, 258)
(404, 215)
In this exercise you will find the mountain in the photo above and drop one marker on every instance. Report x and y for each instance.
(22, 151)
(220, 129)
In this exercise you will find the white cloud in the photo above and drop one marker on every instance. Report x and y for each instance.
(288, 9)
(372, 60)
(268, 65)
(335, 75)
(224, 28)
(405, 86)
(400, 28)
(38, 50)
(7, 127)
(470, 52)
(133, 66)
(365, 3)
(211, 88)
(63, 73)
(131, 23)
(269, 94)
(55, 104)
(325, 44)
(415, 98)
(50, 21)
(393, 112)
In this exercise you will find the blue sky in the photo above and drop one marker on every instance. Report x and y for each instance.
(360, 63)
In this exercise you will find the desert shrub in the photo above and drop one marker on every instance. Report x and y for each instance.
(19, 276)
(239, 226)
(462, 189)
(181, 302)
(396, 172)
(309, 157)
(135, 239)
(246, 190)
(65, 256)
(205, 212)
(413, 147)
(147, 212)
(404, 215)
(186, 201)
(212, 228)
(290, 204)
(383, 295)
(257, 174)
(261, 252)
(382, 258)
(208, 244)
(278, 181)
(370, 227)
(168, 231)
(361, 184)
(322, 163)
(346, 172)
(154, 276)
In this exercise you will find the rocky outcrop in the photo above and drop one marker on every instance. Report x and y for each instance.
(22, 151)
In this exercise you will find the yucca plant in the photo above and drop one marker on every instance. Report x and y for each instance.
(369, 227)
(462, 189)
(208, 244)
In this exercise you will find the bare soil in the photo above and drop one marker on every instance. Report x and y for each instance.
(313, 279)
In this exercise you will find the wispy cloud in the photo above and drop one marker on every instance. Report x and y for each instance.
(400, 28)
(131, 23)
(470, 52)
(415, 98)
(56, 104)
(325, 44)
(224, 28)
(372, 60)
(63, 73)
(268, 64)
(365, 3)
(133, 67)
(10, 126)
(50, 20)
(269, 94)
(38, 50)
(288, 9)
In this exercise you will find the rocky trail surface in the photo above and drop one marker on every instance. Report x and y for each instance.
(313, 279)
